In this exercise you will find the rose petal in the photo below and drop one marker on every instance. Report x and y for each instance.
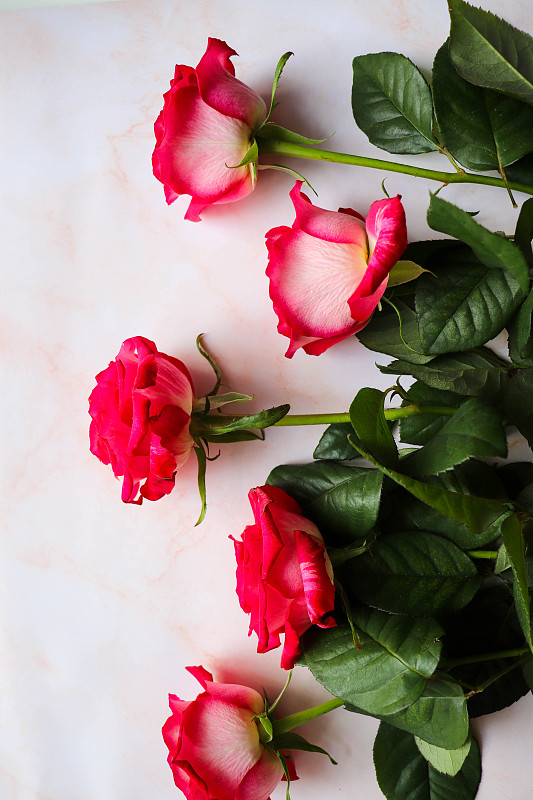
(222, 91)
(262, 779)
(344, 226)
(222, 743)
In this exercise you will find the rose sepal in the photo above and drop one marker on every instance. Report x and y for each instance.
(210, 402)
(271, 131)
(207, 426)
(293, 741)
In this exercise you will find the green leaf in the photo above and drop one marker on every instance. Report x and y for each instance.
(517, 402)
(464, 303)
(447, 761)
(342, 501)
(473, 477)
(527, 672)
(476, 373)
(403, 772)
(520, 334)
(391, 670)
(404, 272)
(480, 128)
(488, 624)
(474, 431)
(424, 251)
(524, 230)
(293, 741)
(521, 171)
(517, 477)
(415, 573)
(394, 331)
(391, 103)
(489, 52)
(474, 512)
(422, 428)
(492, 249)
(368, 421)
(439, 715)
(334, 443)
(514, 544)
(264, 419)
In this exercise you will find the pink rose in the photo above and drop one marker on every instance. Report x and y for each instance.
(215, 752)
(284, 575)
(328, 272)
(141, 410)
(207, 126)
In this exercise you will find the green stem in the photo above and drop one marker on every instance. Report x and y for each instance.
(317, 154)
(294, 720)
(291, 420)
(482, 553)
(500, 674)
(450, 663)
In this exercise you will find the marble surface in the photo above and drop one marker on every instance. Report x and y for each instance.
(104, 604)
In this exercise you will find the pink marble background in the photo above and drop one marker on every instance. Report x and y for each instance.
(104, 604)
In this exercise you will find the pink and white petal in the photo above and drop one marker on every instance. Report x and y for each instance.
(221, 742)
(317, 346)
(363, 305)
(242, 696)
(186, 779)
(184, 77)
(291, 646)
(236, 192)
(222, 91)
(130, 489)
(279, 497)
(201, 674)
(387, 236)
(197, 145)
(343, 227)
(319, 589)
(262, 779)
(311, 282)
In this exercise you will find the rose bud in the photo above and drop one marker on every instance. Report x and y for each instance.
(141, 411)
(284, 575)
(206, 127)
(328, 272)
(215, 750)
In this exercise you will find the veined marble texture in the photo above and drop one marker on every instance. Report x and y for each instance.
(103, 604)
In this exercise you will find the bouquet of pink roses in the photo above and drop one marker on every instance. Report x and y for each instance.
(396, 566)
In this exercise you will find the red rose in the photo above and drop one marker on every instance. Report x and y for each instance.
(141, 410)
(328, 272)
(215, 752)
(284, 575)
(205, 128)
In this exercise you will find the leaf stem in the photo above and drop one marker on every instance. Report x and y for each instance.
(519, 652)
(286, 724)
(318, 154)
(482, 553)
(482, 686)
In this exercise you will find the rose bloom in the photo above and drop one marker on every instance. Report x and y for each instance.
(141, 410)
(284, 575)
(215, 752)
(328, 272)
(206, 126)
